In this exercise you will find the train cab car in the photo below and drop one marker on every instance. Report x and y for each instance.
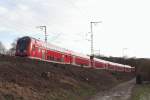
(23, 47)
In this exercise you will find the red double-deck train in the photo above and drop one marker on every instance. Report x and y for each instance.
(37, 49)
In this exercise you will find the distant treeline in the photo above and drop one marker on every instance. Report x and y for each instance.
(142, 65)
(127, 61)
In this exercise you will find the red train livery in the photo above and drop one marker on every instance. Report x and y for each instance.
(34, 48)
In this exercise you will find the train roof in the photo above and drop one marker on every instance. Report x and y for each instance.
(112, 63)
(100, 60)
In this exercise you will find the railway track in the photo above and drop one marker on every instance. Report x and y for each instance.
(120, 92)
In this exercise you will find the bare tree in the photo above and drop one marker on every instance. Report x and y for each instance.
(12, 50)
(2, 48)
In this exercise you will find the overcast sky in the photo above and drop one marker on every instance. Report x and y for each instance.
(125, 24)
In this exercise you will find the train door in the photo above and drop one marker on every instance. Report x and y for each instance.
(63, 58)
(73, 60)
(39, 52)
(68, 59)
(33, 51)
(36, 52)
(43, 54)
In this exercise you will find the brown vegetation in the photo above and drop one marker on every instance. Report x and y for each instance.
(26, 79)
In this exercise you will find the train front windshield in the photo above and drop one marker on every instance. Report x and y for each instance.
(22, 45)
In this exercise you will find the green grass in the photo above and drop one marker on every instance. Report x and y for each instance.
(141, 92)
(80, 93)
(9, 97)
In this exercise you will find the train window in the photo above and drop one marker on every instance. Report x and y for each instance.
(58, 59)
(55, 59)
(51, 58)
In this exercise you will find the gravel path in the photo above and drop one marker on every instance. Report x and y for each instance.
(120, 92)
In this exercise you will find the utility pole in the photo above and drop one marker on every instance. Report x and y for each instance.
(45, 31)
(92, 49)
(44, 52)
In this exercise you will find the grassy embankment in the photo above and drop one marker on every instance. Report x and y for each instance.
(141, 92)
(21, 79)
